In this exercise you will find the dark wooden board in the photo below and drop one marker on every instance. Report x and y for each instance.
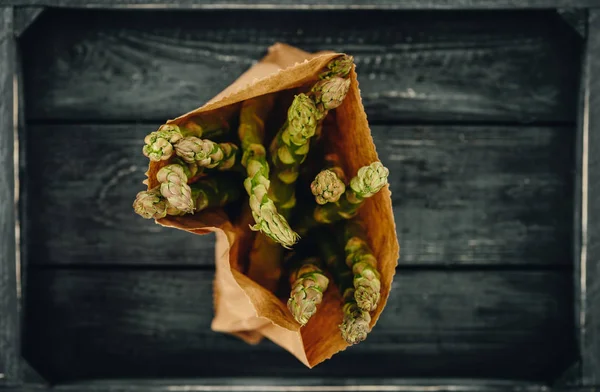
(494, 324)
(242, 384)
(468, 66)
(310, 4)
(461, 195)
(310, 384)
(9, 336)
(589, 271)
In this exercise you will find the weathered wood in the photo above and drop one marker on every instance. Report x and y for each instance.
(311, 384)
(274, 384)
(312, 4)
(9, 330)
(589, 261)
(482, 66)
(495, 324)
(24, 17)
(462, 195)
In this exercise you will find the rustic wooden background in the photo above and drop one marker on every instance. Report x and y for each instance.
(473, 112)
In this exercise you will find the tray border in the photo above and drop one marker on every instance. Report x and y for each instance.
(584, 375)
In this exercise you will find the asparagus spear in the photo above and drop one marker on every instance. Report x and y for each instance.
(308, 283)
(368, 181)
(356, 322)
(360, 258)
(251, 132)
(215, 191)
(159, 145)
(206, 153)
(305, 115)
(152, 205)
(339, 67)
(328, 185)
(329, 94)
(173, 180)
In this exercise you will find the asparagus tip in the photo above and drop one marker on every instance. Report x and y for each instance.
(339, 67)
(150, 204)
(327, 187)
(370, 179)
(270, 222)
(302, 119)
(307, 292)
(367, 298)
(330, 93)
(159, 144)
(355, 326)
(174, 187)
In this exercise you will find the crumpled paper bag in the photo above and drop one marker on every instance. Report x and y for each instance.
(242, 307)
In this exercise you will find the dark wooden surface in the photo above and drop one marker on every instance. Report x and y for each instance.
(476, 115)
(310, 4)
(462, 195)
(306, 384)
(112, 66)
(589, 310)
(96, 324)
(9, 336)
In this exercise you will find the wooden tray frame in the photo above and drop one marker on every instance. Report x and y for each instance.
(584, 15)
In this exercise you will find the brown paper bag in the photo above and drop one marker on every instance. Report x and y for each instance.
(243, 307)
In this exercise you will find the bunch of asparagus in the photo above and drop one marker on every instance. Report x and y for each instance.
(198, 173)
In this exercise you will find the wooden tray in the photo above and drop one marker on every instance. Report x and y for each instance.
(485, 111)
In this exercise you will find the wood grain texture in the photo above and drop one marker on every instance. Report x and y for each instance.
(470, 66)
(589, 271)
(312, 384)
(495, 324)
(461, 195)
(272, 384)
(312, 4)
(9, 335)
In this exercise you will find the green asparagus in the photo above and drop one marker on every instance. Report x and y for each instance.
(152, 205)
(214, 191)
(329, 94)
(339, 67)
(369, 180)
(308, 283)
(329, 185)
(355, 322)
(206, 153)
(160, 145)
(291, 145)
(174, 186)
(360, 258)
(251, 132)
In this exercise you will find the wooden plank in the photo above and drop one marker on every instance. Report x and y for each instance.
(312, 4)
(589, 261)
(133, 66)
(272, 384)
(108, 324)
(462, 195)
(9, 330)
(310, 384)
